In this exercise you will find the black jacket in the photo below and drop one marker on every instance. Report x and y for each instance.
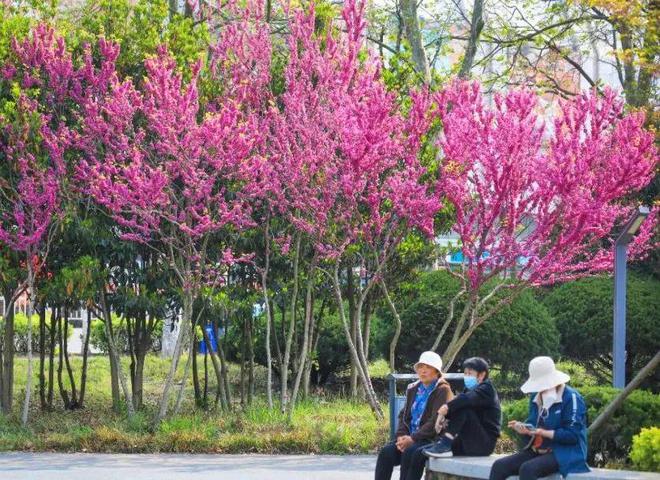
(440, 395)
(484, 401)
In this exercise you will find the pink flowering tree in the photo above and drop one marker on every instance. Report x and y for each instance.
(241, 60)
(172, 173)
(535, 204)
(352, 156)
(37, 136)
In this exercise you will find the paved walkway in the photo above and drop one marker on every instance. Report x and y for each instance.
(62, 466)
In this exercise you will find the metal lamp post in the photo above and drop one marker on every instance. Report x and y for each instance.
(620, 257)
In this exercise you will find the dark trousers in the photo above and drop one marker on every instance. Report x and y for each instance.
(526, 464)
(412, 461)
(470, 437)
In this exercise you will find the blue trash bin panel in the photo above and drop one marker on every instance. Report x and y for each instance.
(212, 338)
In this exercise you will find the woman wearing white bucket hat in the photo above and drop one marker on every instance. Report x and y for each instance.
(556, 425)
(416, 427)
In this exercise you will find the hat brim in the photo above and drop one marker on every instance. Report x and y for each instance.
(534, 385)
(428, 365)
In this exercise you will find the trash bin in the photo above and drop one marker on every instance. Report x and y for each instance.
(213, 339)
(397, 402)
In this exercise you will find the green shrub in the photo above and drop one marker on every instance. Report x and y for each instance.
(645, 453)
(509, 339)
(21, 331)
(99, 340)
(640, 410)
(583, 313)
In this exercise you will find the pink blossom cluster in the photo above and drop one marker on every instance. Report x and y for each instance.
(539, 203)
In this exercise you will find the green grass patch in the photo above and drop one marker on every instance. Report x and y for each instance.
(318, 425)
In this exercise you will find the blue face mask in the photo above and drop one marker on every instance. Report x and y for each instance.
(470, 382)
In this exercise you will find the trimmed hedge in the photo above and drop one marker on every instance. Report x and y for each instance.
(613, 442)
(98, 339)
(583, 313)
(21, 332)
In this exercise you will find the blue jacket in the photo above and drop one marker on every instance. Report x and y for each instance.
(568, 418)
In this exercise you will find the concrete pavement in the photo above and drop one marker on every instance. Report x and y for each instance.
(83, 466)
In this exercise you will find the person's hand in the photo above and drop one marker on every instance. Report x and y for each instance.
(519, 427)
(404, 442)
(544, 433)
(444, 410)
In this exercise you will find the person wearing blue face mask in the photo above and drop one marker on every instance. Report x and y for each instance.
(473, 418)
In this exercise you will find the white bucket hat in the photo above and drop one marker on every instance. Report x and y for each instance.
(543, 375)
(431, 359)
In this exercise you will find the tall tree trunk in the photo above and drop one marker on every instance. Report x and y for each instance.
(114, 374)
(83, 374)
(206, 379)
(114, 357)
(476, 26)
(315, 335)
(289, 336)
(60, 364)
(42, 358)
(397, 328)
(7, 392)
(195, 371)
(357, 356)
(350, 296)
(186, 320)
(29, 310)
(184, 380)
(223, 364)
(264, 291)
(65, 342)
(52, 332)
(250, 347)
(309, 313)
(217, 368)
(414, 37)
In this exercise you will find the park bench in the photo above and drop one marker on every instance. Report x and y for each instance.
(458, 468)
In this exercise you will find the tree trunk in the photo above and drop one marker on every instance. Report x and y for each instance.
(414, 37)
(29, 310)
(51, 356)
(114, 374)
(195, 371)
(114, 357)
(83, 374)
(289, 336)
(264, 291)
(309, 313)
(42, 358)
(217, 368)
(223, 365)
(350, 296)
(184, 380)
(60, 364)
(7, 392)
(65, 342)
(186, 320)
(206, 380)
(476, 26)
(362, 367)
(397, 330)
(605, 415)
(250, 360)
(314, 335)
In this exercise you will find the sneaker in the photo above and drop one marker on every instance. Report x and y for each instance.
(441, 448)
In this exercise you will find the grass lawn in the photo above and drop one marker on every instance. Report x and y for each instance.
(320, 425)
